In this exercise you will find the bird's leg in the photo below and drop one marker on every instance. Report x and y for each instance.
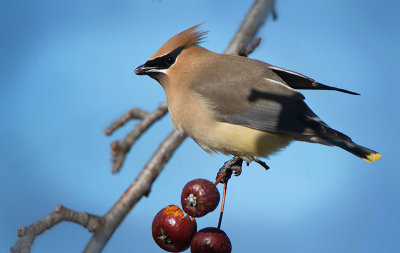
(233, 165)
(266, 167)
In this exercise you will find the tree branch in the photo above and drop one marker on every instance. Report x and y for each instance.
(135, 113)
(139, 188)
(245, 51)
(119, 149)
(253, 21)
(28, 234)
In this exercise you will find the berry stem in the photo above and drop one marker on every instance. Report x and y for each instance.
(223, 204)
(218, 180)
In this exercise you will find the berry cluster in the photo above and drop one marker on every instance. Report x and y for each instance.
(175, 232)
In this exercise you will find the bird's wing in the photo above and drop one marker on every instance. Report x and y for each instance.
(299, 81)
(252, 95)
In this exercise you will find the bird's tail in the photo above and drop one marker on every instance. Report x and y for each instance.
(366, 154)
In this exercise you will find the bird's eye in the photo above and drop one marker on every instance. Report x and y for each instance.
(170, 60)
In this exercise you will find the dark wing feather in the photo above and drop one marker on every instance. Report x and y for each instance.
(256, 97)
(299, 81)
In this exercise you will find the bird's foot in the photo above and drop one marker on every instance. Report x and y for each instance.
(234, 166)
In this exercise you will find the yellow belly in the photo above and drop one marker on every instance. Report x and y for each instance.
(242, 141)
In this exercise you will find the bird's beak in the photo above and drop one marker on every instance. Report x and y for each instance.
(143, 70)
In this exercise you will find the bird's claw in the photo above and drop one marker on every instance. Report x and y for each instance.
(234, 166)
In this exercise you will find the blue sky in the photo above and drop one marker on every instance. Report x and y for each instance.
(67, 73)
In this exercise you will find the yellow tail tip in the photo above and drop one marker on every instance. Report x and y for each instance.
(371, 158)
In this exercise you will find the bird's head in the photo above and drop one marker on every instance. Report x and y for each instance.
(158, 65)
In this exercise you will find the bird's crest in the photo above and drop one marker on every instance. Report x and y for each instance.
(188, 38)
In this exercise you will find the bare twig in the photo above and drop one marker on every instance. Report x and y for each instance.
(139, 188)
(135, 113)
(119, 149)
(245, 51)
(27, 234)
(254, 19)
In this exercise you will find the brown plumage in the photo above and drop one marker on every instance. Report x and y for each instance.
(188, 38)
(236, 105)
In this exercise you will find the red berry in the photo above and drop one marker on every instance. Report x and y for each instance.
(199, 197)
(210, 240)
(172, 231)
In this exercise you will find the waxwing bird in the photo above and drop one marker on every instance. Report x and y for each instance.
(236, 105)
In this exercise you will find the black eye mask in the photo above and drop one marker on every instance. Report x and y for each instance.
(166, 61)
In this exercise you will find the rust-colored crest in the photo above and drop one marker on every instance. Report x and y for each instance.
(189, 37)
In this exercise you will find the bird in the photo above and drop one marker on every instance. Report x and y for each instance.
(238, 106)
